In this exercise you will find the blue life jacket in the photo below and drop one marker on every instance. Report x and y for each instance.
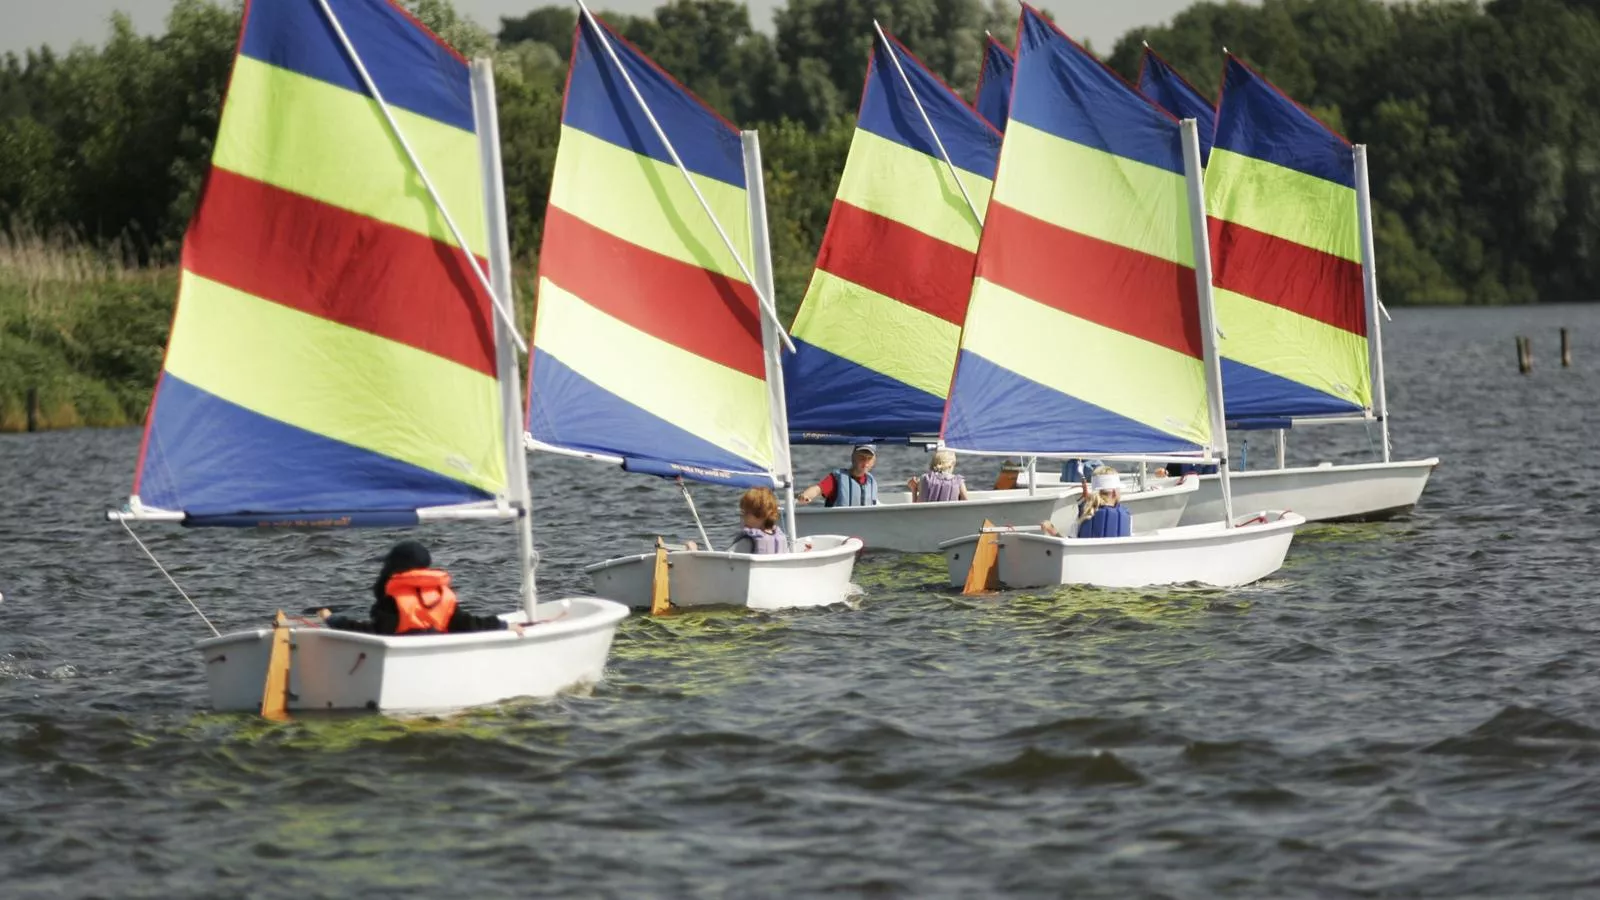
(848, 492)
(938, 487)
(755, 540)
(1181, 469)
(1107, 522)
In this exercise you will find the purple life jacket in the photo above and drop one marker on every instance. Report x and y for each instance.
(754, 540)
(939, 487)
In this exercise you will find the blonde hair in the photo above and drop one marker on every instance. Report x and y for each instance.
(761, 503)
(943, 461)
(1093, 500)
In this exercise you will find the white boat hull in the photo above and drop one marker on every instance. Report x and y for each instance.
(345, 670)
(1324, 493)
(697, 578)
(898, 524)
(1207, 554)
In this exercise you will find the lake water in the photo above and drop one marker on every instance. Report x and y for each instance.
(1406, 709)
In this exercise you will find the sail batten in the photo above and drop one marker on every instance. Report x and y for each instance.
(877, 330)
(1083, 333)
(1286, 257)
(647, 336)
(331, 352)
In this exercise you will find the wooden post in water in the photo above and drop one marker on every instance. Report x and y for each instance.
(1524, 355)
(33, 409)
(1566, 350)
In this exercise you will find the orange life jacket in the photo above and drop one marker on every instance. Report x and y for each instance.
(424, 599)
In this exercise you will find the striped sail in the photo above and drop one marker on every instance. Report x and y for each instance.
(1286, 252)
(332, 357)
(877, 330)
(646, 339)
(994, 83)
(1173, 93)
(1083, 334)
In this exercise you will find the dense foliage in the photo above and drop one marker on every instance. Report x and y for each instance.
(1480, 117)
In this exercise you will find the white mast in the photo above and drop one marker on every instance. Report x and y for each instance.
(506, 368)
(1369, 285)
(1208, 329)
(761, 249)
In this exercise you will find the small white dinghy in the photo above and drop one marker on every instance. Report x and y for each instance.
(817, 573)
(668, 365)
(1016, 393)
(1324, 493)
(340, 358)
(1208, 554)
(898, 524)
(565, 649)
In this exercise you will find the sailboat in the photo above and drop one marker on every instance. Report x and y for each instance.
(1118, 361)
(340, 358)
(1297, 298)
(878, 328)
(655, 341)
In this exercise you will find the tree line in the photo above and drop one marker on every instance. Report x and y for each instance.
(1480, 117)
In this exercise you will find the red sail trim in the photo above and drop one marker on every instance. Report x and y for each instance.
(693, 309)
(341, 266)
(1122, 289)
(897, 261)
(1288, 275)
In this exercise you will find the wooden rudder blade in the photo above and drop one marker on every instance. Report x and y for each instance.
(983, 575)
(275, 693)
(660, 597)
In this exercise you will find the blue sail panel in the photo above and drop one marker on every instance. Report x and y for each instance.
(834, 400)
(571, 411)
(994, 84)
(208, 458)
(993, 409)
(1162, 84)
(889, 111)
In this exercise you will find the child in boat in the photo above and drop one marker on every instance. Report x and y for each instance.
(411, 598)
(852, 487)
(759, 532)
(940, 483)
(1100, 512)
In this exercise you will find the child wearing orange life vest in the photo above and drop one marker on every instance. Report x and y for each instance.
(411, 598)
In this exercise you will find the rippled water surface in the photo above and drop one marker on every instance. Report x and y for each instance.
(1407, 709)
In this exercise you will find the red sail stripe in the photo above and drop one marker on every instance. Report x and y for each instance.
(694, 309)
(1122, 289)
(340, 266)
(1288, 275)
(897, 261)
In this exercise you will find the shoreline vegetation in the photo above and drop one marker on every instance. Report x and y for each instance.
(1486, 180)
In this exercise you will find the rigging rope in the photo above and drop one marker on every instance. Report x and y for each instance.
(169, 577)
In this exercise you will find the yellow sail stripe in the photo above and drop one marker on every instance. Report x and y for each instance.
(1115, 199)
(333, 145)
(648, 203)
(1279, 201)
(912, 188)
(339, 382)
(1293, 346)
(717, 404)
(1142, 381)
(878, 332)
